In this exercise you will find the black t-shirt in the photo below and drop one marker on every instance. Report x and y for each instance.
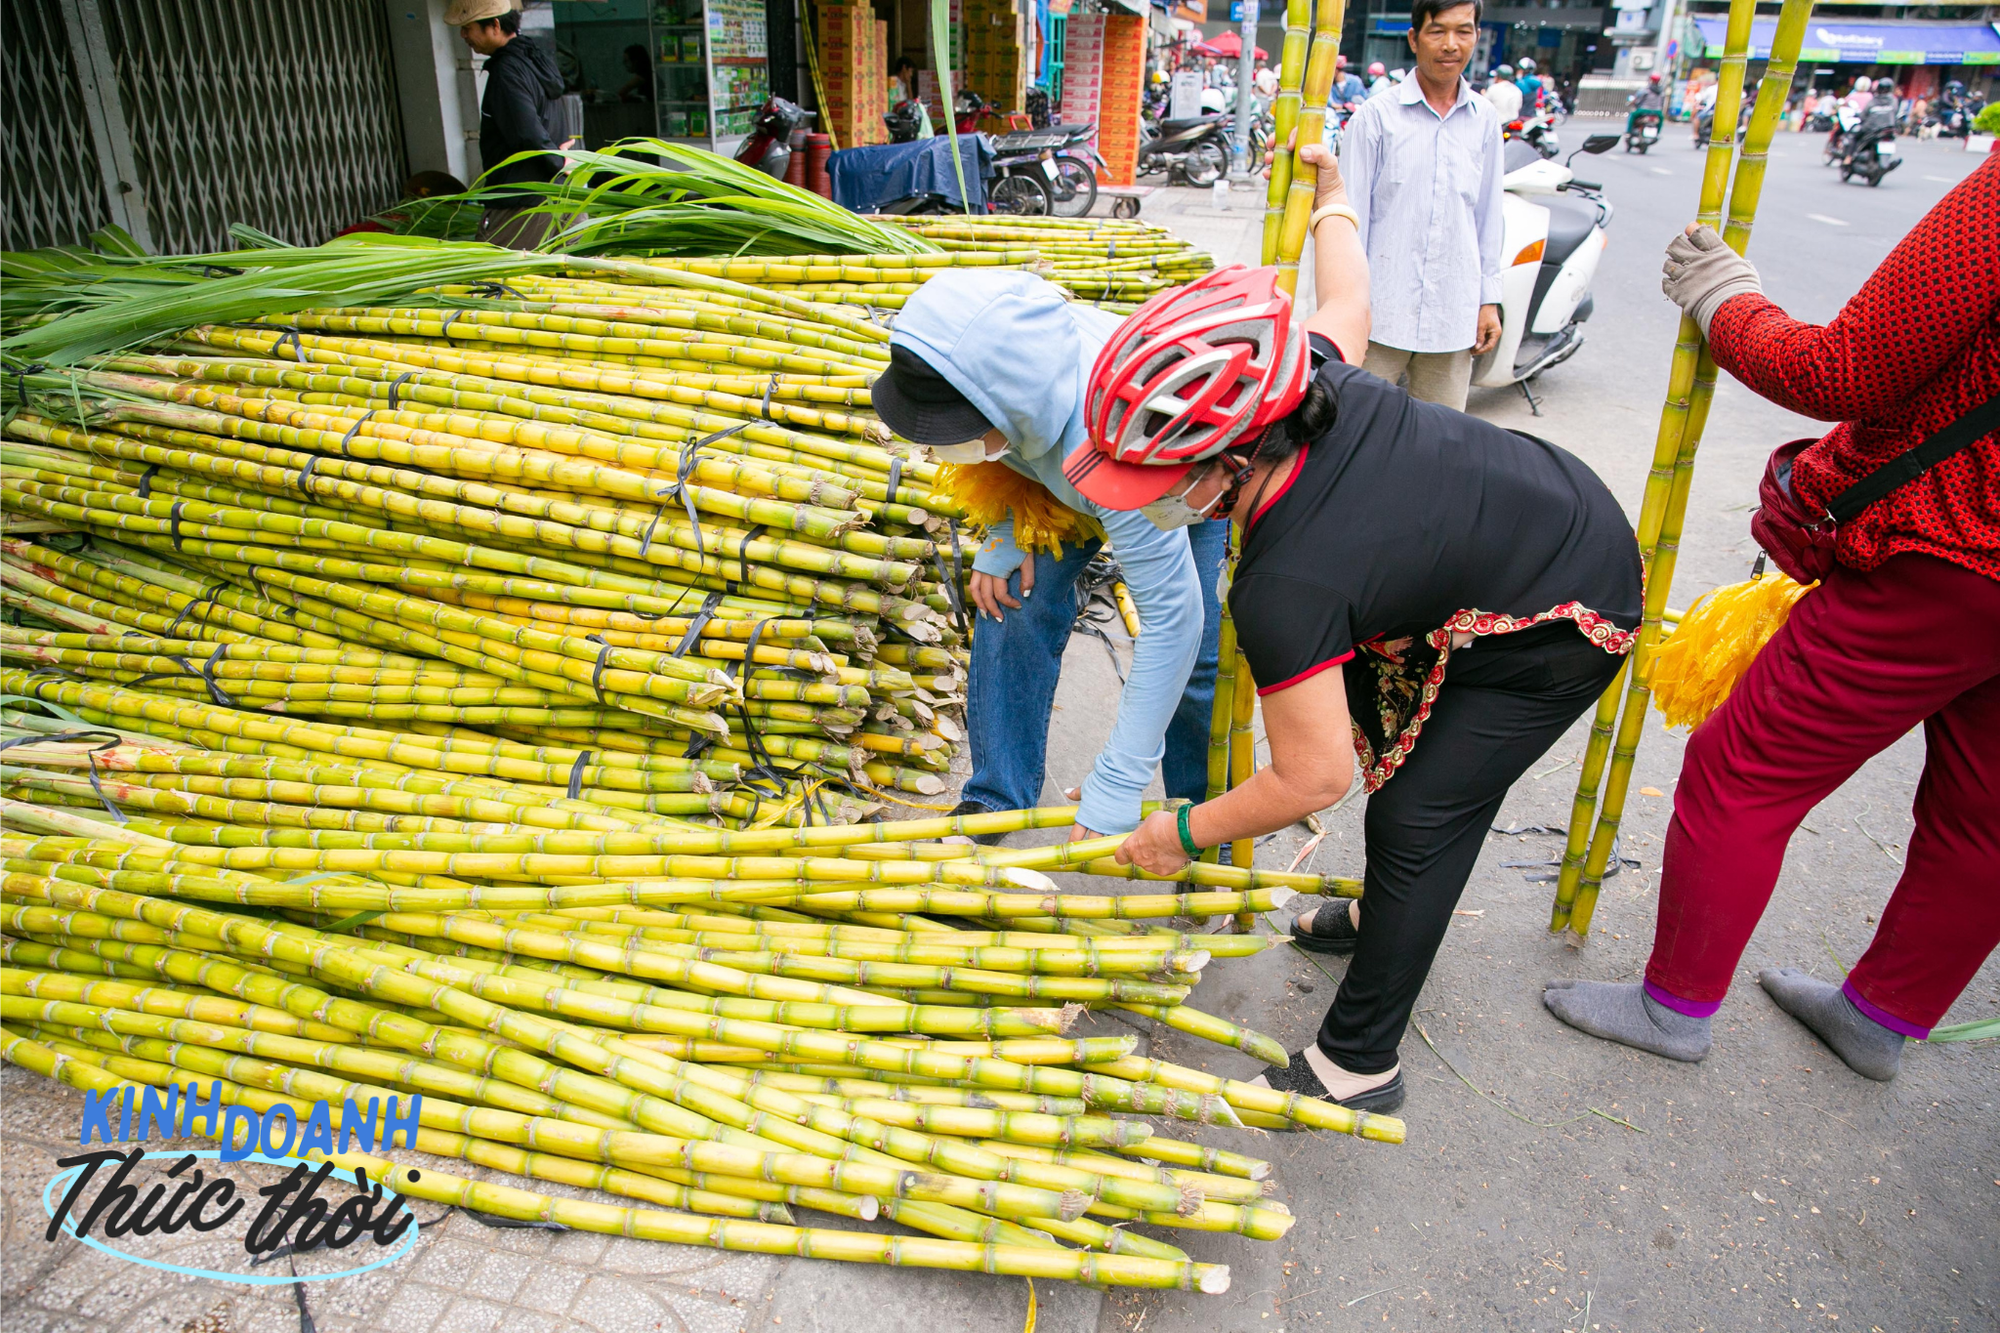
(1410, 519)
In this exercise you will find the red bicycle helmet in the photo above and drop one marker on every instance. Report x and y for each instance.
(1192, 372)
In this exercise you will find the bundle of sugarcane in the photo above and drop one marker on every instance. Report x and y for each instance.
(699, 1020)
(652, 513)
(1595, 814)
(1104, 260)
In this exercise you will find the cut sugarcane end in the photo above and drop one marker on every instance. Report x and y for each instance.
(1282, 895)
(1032, 880)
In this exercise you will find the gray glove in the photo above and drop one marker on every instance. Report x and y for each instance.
(1701, 273)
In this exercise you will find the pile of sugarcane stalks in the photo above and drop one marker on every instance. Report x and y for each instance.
(1595, 815)
(716, 1025)
(1113, 263)
(643, 519)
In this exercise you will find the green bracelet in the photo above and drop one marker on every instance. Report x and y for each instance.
(1187, 838)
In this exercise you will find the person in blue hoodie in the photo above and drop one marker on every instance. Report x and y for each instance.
(991, 366)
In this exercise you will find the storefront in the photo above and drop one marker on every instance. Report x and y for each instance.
(1919, 56)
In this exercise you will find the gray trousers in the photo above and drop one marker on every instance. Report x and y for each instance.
(1436, 377)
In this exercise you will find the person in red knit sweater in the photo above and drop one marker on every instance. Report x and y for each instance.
(1906, 630)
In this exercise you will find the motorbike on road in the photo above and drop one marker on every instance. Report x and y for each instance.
(1870, 152)
(1553, 235)
(1642, 130)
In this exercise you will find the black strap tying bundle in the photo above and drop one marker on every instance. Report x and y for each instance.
(205, 673)
(206, 599)
(701, 619)
(493, 291)
(21, 378)
(597, 671)
(690, 455)
(952, 580)
(576, 774)
(353, 431)
(764, 408)
(146, 479)
(895, 476)
(743, 556)
(396, 385)
(174, 522)
(291, 336)
(444, 330)
(305, 476)
(111, 741)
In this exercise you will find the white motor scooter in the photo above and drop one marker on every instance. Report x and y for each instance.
(1553, 229)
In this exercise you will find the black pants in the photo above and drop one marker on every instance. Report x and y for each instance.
(1504, 702)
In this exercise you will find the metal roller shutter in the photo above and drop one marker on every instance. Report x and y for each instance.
(279, 115)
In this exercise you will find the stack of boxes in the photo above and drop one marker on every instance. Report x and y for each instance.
(853, 64)
(995, 51)
(1120, 85)
(1083, 72)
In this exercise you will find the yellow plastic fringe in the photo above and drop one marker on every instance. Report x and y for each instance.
(1697, 666)
(988, 492)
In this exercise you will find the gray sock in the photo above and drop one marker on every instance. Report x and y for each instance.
(1623, 1012)
(1869, 1049)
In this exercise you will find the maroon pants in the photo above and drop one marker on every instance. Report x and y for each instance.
(1863, 658)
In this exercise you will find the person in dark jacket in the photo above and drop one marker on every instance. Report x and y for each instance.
(516, 115)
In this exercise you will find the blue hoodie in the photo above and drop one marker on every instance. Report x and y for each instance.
(1021, 353)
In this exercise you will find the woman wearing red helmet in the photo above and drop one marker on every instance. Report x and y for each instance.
(1474, 585)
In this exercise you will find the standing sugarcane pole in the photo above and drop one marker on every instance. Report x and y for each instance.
(1691, 386)
(1304, 181)
(1284, 119)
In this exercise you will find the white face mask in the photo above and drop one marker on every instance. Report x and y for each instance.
(972, 451)
(1173, 511)
(1170, 512)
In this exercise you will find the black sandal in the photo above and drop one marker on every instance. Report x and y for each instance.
(974, 808)
(1299, 1077)
(1330, 932)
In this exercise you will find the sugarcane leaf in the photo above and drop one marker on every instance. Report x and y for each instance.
(1977, 1030)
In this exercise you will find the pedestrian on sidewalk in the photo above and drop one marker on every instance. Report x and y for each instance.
(517, 114)
(1423, 168)
(989, 369)
(1467, 590)
(1904, 631)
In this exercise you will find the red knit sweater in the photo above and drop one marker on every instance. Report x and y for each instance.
(1917, 347)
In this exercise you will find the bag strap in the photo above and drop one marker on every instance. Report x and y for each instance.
(1914, 462)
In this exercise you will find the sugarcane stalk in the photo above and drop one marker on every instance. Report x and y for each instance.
(1680, 437)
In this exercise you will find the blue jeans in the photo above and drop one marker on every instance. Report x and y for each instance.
(1016, 662)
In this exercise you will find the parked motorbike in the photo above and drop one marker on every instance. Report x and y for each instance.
(768, 147)
(1870, 151)
(1069, 164)
(1538, 132)
(1642, 130)
(1553, 229)
(1194, 151)
(903, 120)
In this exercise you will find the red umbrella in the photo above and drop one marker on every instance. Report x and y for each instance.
(1229, 46)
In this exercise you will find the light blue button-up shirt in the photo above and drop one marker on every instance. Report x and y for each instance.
(1427, 188)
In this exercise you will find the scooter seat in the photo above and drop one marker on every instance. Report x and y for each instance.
(1176, 126)
(1570, 224)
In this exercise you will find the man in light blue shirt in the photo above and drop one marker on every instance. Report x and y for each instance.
(1423, 171)
(992, 366)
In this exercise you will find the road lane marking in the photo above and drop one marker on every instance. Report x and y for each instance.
(1831, 222)
(1943, 180)
(1661, 171)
